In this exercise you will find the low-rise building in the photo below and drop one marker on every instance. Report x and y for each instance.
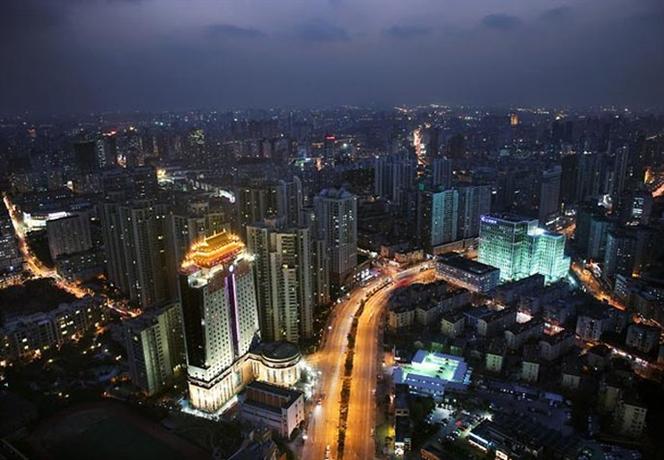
(517, 334)
(423, 304)
(431, 374)
(488, 322)
(278, 408)
(466, 273)
(630, 417)
(530, 370)
(495, 356)
(554, 346)
(25, 337)
(452, 324)
(509, 293)
(642, 337)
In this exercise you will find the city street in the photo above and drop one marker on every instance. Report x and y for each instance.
(323, 426)
(38, 270)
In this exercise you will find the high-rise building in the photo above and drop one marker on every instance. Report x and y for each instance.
(588, 176)
(636, 207)
(519, 248)
(336, 210)
(220, 318)
(474, 202)
(265, 199)
(549, 194)
(438, 215)
(441, 172)
(85, 156)
(620, 255)
(155, 347)
(10, 256)
(137, 252)
(394, 175)
(69, 234)
(620, 162)
(282, 258)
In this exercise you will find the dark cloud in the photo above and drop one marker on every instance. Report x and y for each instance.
(321, 31)
(88, 55)
(501, 22)
(398, 31)
(232, 31)
(556, 15)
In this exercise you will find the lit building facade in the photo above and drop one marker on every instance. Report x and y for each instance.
(283, 281)
(220, 319)
(336, 210)
(155, 347)
(519, 248)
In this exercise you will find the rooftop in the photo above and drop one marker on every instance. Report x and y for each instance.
(214, 250)
(457, 261)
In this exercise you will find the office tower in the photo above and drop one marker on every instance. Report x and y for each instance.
(441, 173)
(519, 248)
(474, 202)
(437, 217)
(155, 347)
(588, 176)
(620, 162)
(505, 244)
(547, 255)
(85, 156)
(10, 256)
(549, 195)
(336, 210)
(598, 231)
(620, 255)
(282, 261)
(135, 242)
(265, 199)
(220, 319)
(394, 175)
(69, 234)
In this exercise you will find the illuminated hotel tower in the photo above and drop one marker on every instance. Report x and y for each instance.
(220, 319)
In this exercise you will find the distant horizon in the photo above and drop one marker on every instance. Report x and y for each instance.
(567, 110)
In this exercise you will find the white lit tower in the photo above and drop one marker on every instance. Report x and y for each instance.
(220, 319)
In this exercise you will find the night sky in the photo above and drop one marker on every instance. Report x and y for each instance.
(63, 56)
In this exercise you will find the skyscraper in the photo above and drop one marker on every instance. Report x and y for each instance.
(519, 248)
(137, 253)
(155, 347)
(438, 214)
(474, 202)
(549, 194)
(266, 199)
(283, 280)
(10, 256)
(441, 172)
(220, 319)
(394, 175)
(336, 210)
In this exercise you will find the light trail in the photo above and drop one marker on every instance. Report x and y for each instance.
(38, 270)
(323, 429)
